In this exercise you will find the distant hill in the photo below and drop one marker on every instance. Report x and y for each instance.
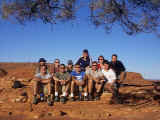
(27, 70)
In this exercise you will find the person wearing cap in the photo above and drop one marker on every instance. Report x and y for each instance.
(41, 62)
(85, 60)
(69, 67)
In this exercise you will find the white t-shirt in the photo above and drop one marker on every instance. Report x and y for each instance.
(47, 76)
(94, 74)
(109, 75)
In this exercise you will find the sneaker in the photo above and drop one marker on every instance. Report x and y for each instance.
(49, 101)
(72, 99)
(56, 99)
(35, 100)
(97, 97)
(85, 98)
(63, 100)
(42, 97)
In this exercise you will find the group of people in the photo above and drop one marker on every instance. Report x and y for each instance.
(84, 80)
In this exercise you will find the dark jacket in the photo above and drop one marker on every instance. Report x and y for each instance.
(118, 67)
(83, 64)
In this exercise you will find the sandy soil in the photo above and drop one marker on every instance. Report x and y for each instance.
(138, 103)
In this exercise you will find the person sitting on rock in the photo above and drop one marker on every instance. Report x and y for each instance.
(110, 76)
(62, 79)
(40, 80)
(78, 80)
(95, 80)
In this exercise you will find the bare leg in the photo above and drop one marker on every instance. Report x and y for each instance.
(35, 87)
(72, 87)
(90, 86)
(56, 86)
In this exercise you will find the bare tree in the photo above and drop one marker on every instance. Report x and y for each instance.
(134, 16)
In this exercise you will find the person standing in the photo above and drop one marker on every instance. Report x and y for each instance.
(84, 61)
(117, 66)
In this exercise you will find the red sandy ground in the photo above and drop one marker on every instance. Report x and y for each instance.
(139, 103)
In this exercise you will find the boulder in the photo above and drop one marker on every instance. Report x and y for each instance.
(2, 72)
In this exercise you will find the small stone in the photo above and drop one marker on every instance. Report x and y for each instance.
(49, 114)
(109, 115)
(9, 113)
(57, 113)
(36, 117)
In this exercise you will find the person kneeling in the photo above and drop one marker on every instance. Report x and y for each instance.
(62, 80)
(78, 80)
(40, 80)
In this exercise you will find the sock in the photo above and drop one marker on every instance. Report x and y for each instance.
(85, 94)
(64, 94)
(72, 95)
(56, 93)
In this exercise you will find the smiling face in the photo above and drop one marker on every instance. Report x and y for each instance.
(43, 69)
(77, 68)
(106, 66)
(62, 68)
(100, 60)
(56, 62)
(114, 58)
(94, 66)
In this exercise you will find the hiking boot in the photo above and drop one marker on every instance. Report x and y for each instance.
(63, 99)
(85, 98)
(56, 99)
(72, 99)
(80, 98)
(42, 97)
(97, 96)
(90, 97)
(49, 101)
(35, 100)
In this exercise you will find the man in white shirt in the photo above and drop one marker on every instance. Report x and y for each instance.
(110, 77)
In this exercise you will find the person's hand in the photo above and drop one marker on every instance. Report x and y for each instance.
(63, 82)
(102, 81)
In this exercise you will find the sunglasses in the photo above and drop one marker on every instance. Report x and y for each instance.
(100, 59)
(94, 65)
(62, 68)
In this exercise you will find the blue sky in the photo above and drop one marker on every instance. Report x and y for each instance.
(139, 53)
